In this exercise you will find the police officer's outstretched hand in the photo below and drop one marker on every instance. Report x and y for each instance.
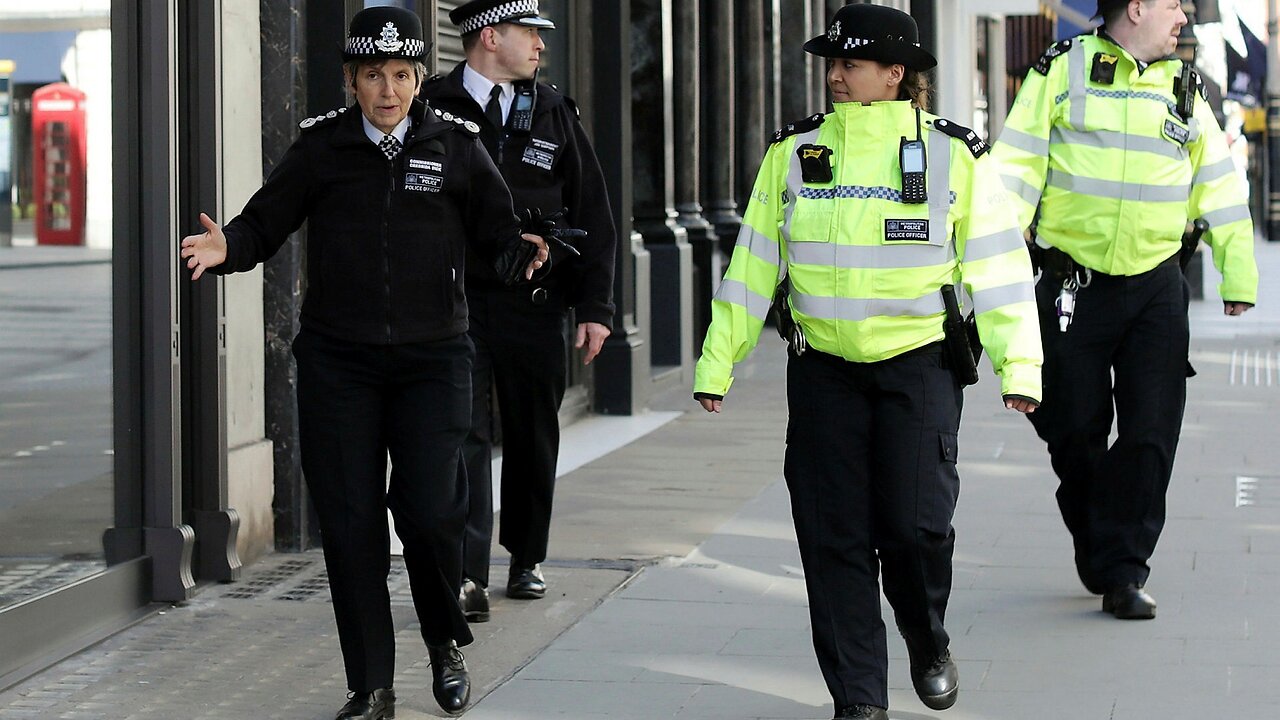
(206, 250)
(1022, 404)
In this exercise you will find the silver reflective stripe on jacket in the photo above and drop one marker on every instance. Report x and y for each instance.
(1119, 141)
(736, 292)
(795, 180)
(939, 184)
(1114, 189)
(859, 309)
(1076, 68)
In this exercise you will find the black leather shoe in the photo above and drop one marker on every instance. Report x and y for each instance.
(936, 681)
(1130, 602)
(475, 602)
(526, 583)
(377, 705)
(450, 682)
(862, 712)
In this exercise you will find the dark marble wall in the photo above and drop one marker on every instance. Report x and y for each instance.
(284, 99)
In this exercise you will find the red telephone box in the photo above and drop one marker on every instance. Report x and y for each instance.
(58, 142)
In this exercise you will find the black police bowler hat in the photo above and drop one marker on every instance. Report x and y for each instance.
(873, 32)
(385, 33)
(1105, 5)
(477, 14)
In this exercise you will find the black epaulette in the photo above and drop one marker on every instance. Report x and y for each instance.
(1055, 50)
(796, 127)
(572, 105)
(462, 123)
(319, 120)
(973, 140)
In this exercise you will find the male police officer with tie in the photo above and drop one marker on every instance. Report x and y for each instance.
(1112, 147)
(533, 134)
(393, 196)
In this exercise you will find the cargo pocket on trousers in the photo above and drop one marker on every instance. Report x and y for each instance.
(946, 487)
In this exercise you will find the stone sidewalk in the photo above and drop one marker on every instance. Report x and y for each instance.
(723, 632)
(676, 589)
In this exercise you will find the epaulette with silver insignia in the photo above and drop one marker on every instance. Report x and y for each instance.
(971, 139)
(1055, 50)
(463, 123)
(321, 119)
(797, 127)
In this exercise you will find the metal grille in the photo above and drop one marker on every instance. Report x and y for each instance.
(448, 39)
(1257, 491)
(303, 579)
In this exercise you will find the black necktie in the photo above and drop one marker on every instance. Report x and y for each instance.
(493, 111)
(391, 146)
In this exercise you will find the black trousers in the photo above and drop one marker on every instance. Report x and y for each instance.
(356, 404)
(871, 467)
(520, 352)
(1123, 358)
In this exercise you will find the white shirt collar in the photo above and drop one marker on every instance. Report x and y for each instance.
(479, 87)
(375, 135)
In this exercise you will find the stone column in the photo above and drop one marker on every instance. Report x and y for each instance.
(688, 146)
(622, 377)
(285, 25)
(798, 70)
(652, 107)
(749, 77)
(718, 112)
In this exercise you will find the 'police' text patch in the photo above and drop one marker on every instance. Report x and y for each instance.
(1176, 132)
(421, 182)
(906, 231)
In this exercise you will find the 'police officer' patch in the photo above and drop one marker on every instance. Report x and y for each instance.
(421, 182)
(906, 231)
(1176, 132)
(540, 153)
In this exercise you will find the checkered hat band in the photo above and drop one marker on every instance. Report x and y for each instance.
(517, 8)
(366, 46)
(853, 42)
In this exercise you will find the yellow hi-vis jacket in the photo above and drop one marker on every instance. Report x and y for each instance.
(1115, 172)
(866, 269)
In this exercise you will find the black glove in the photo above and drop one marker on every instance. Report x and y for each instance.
(535, 223)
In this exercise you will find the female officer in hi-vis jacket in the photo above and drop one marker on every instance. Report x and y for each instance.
(868, 212)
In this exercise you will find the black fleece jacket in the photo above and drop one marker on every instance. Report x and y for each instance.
(551, 167)
(386, 239)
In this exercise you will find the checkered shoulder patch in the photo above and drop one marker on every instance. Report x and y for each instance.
(796, 128)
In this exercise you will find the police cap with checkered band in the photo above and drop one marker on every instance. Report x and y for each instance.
(478, 14)
(873, 32)
(385, 33)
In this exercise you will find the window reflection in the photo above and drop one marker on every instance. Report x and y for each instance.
(56, 488)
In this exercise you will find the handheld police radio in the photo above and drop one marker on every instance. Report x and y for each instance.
(912, 164)
(521, 119)
(1184, 89)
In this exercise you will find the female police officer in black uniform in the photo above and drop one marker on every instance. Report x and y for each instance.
(393, 195)
(870, 213)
